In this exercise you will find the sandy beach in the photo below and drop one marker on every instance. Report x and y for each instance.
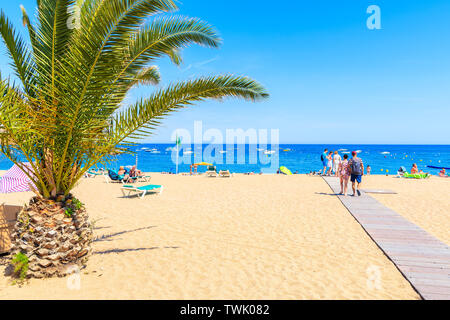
(247, 237)
(423, 202)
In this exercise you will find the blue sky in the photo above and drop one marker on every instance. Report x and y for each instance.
(331, 79)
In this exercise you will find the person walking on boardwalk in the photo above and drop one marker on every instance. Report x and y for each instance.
(344, 174)
(329, 163)
(336, 161)
(357, 171)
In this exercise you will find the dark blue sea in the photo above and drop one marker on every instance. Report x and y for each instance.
(303, 158)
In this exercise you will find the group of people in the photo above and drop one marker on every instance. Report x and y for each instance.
(344, 168)
(414, 170)
(129, 175)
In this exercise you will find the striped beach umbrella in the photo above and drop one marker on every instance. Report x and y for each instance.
(15, 180)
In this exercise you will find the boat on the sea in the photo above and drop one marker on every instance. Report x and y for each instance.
(269, 152)
(153, 150)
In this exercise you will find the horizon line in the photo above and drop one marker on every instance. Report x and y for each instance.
(341, 144)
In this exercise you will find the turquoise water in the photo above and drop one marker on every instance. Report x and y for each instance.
(301, 158)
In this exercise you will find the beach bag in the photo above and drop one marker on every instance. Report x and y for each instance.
(355, 165)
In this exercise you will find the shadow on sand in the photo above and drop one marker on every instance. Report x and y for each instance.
(327, 194)
(131, 250)
(106, 237)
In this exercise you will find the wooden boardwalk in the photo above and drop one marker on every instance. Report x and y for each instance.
(422, 259)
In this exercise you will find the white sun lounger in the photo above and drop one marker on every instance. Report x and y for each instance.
(142, 191)
(225, 174)
(211, 174)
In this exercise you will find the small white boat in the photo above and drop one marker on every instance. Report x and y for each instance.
(152, 151)
(385, 152)
(188, 152)
(221, 151)
(269, 152)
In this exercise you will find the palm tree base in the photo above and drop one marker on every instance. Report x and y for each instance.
(55, 236)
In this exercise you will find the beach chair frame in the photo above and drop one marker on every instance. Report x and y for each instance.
(211, 174)
(144, 178)
(109, 180)
(225, 174)
(138, 191)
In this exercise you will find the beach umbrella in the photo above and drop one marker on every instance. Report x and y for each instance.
(15, 180)
(203, 164)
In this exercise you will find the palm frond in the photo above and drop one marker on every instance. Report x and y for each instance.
(146, 76)
(17, 51)
(140, 119)
(69, 113)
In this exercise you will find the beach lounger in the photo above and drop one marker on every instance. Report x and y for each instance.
(113, 176)
(93, 174)
(225, 174)
(141, 190)
(211, 174)
(143, 178)
(211, 171)
(416, 175)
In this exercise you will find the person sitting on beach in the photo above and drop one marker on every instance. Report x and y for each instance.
(369, 169)
(126, 176)
(122, 171)
(414, 169)
(134, 172)
(344, 174)
(443, 174)
(401, 171)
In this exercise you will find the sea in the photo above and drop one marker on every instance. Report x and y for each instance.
(298, 158)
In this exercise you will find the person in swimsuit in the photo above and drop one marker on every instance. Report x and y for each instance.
(414, 169)
(329, 163)
(344, 174)
(336, 161)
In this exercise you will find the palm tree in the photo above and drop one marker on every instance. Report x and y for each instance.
(68, 113)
